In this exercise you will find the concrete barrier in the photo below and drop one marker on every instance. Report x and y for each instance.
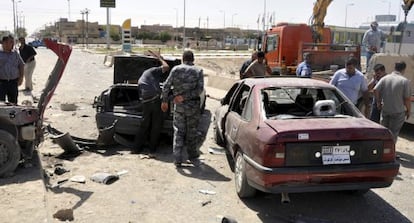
(220, 82)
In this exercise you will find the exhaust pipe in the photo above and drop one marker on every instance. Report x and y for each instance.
(285, 198)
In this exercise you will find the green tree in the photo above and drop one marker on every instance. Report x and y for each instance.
(164, 36)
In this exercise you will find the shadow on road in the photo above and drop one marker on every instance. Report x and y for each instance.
(325, 207)
(25, 174)
(407, 132)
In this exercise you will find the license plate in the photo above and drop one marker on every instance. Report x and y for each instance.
(335, 155)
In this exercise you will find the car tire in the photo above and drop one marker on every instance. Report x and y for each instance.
(243, 189)
(9, 153)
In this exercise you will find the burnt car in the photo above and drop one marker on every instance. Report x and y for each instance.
(21, 126)
(119, 109)
(288, 134)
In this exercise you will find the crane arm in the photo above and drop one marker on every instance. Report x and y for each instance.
(407, 5)
(317, 21)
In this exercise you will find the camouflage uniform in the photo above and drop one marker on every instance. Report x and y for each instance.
(185, 80)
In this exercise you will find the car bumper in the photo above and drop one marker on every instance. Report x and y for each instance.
(321, 178)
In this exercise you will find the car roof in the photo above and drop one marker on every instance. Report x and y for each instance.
(286, 81)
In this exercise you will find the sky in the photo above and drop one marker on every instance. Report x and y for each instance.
(35, 14)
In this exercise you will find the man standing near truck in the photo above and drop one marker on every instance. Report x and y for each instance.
(373, 40)
(392, 94)
(304, 69)
(351, 82)
(247, 63)
(150, 96)
(258, 67)
(186, 82)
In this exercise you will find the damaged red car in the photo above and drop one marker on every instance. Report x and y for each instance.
(288, 134)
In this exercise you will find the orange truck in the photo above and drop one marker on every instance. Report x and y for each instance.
(285, 43)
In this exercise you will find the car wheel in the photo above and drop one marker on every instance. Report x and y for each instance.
(9, 153)
(243, 189)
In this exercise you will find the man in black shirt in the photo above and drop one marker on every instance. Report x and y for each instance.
(27, 53)
(150, 92)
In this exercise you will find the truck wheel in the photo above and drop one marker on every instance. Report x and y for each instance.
(9, 153)
(243, 189)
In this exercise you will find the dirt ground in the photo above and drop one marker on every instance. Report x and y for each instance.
(153, 190)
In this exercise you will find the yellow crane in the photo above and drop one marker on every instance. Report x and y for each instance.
(317, 20)
(406, 7)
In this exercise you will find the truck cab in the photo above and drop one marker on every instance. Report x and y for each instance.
(285, 44)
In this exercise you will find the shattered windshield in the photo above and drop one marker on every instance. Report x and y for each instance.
(305, 102)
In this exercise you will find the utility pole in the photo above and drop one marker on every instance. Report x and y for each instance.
(14, 17)
(184, 30)
(86, 12)
(87, 26)
(68, 10)
(83, 26)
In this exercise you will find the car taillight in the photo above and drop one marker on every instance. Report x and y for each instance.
(388, 151)
(274, 155)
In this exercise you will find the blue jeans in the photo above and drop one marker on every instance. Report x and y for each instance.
(369, 55)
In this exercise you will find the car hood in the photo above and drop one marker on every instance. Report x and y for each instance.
(63, 52)
(328, 128)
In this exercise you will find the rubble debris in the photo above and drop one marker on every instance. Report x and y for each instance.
(66, 142)
(58, 183)
(204, 203)
(104, 178)
(121, 172)
(226, 219)
(64, 215)
(216, 151)
(78, 179)
(68, 107)
(60, 170)
(209, 192)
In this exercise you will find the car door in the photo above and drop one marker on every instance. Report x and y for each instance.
(222, 111)
(235, 116)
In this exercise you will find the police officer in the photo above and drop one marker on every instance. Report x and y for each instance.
(150, 96)
(186, 84)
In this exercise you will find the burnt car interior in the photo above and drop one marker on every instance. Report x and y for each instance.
(281, 103)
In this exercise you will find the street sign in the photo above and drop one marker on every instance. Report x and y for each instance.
(107, 3)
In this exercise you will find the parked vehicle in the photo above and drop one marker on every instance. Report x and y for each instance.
(21, 125)
(120, 103)
(285, 44)
(37, 43)
(284, 134)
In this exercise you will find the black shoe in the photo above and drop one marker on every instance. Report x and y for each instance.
(177, 164)
(196, 162)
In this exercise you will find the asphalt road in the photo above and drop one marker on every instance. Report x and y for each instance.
(154, 191)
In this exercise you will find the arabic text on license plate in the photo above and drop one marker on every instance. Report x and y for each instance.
(335, 155)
